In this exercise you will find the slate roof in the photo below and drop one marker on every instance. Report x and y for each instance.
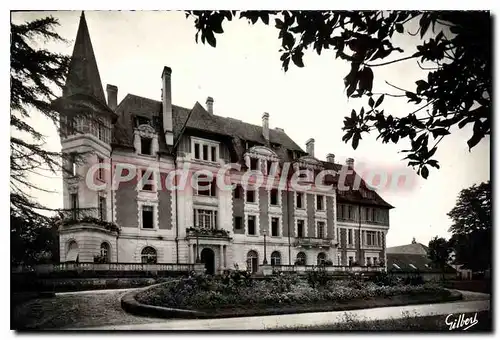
(83, 76)
(200, 119)
(236, 132)
(415, 254)
(421, 262)
(412, 248)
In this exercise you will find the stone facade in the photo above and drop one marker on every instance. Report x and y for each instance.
(165, 225)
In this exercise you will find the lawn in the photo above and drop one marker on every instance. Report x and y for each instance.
(406, 323)
(239, 295)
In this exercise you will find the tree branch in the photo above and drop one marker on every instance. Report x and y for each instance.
(391, 62)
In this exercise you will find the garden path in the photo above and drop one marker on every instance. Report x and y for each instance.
(473, 302)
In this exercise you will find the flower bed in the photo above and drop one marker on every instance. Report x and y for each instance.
(239, 294)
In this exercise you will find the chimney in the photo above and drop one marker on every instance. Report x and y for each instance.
(310, 147)
(330, 158)
(167, 105)
(210, 105)
(112, 92)
(350, 163)
(265, 126)
(413, 241)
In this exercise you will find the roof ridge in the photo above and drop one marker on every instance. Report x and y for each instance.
(153, 100)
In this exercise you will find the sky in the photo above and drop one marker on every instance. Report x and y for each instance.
(244, 76)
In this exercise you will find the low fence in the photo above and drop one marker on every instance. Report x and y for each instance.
(96, 267)
(85, 275)
(331, 269)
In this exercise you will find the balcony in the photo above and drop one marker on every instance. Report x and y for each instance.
(314, 242)
(88, 222)
(207, 233)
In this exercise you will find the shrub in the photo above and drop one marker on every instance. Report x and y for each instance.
(236, 288)
(319, 277)
(414, 280)
(384, 279)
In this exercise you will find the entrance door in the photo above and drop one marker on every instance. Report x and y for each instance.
(208, 258)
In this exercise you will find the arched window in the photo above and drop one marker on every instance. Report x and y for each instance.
(252, 261)
(105, 252)
(148, 255)
(275, 258)
(321, 259)
(301, 259)
(72, 254)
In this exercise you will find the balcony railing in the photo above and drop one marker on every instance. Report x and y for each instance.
(206, 232)
(332, 269)
(314, 242)
(108, 267)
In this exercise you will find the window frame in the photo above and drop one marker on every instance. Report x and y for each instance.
(74, 202)
(322, 199)
(278, 202)
(302, 200)
(152, 211)
(254, 220)
(275, 257)
(254, 198)
(150, 141)
(202, 215)
(143, 180)
(153, 255)
(321, 235)
(205, 148)
(277, 220)
(102, 209)
(303, 228)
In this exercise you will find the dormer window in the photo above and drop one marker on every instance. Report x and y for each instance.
(269, 166)
(254, 164)
(146, 146)
(140, 120)
(205, 150)
(145, 140)
(213, 153)
(197, 151)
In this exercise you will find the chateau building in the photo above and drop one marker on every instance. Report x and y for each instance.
(247, 226)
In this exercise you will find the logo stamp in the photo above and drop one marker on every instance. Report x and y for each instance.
(461, 322)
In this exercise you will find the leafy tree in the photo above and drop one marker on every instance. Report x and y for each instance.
(454, 45)
(471, 227)
(31, 244)
(34, 75)
(472, 211)
(439, 253)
